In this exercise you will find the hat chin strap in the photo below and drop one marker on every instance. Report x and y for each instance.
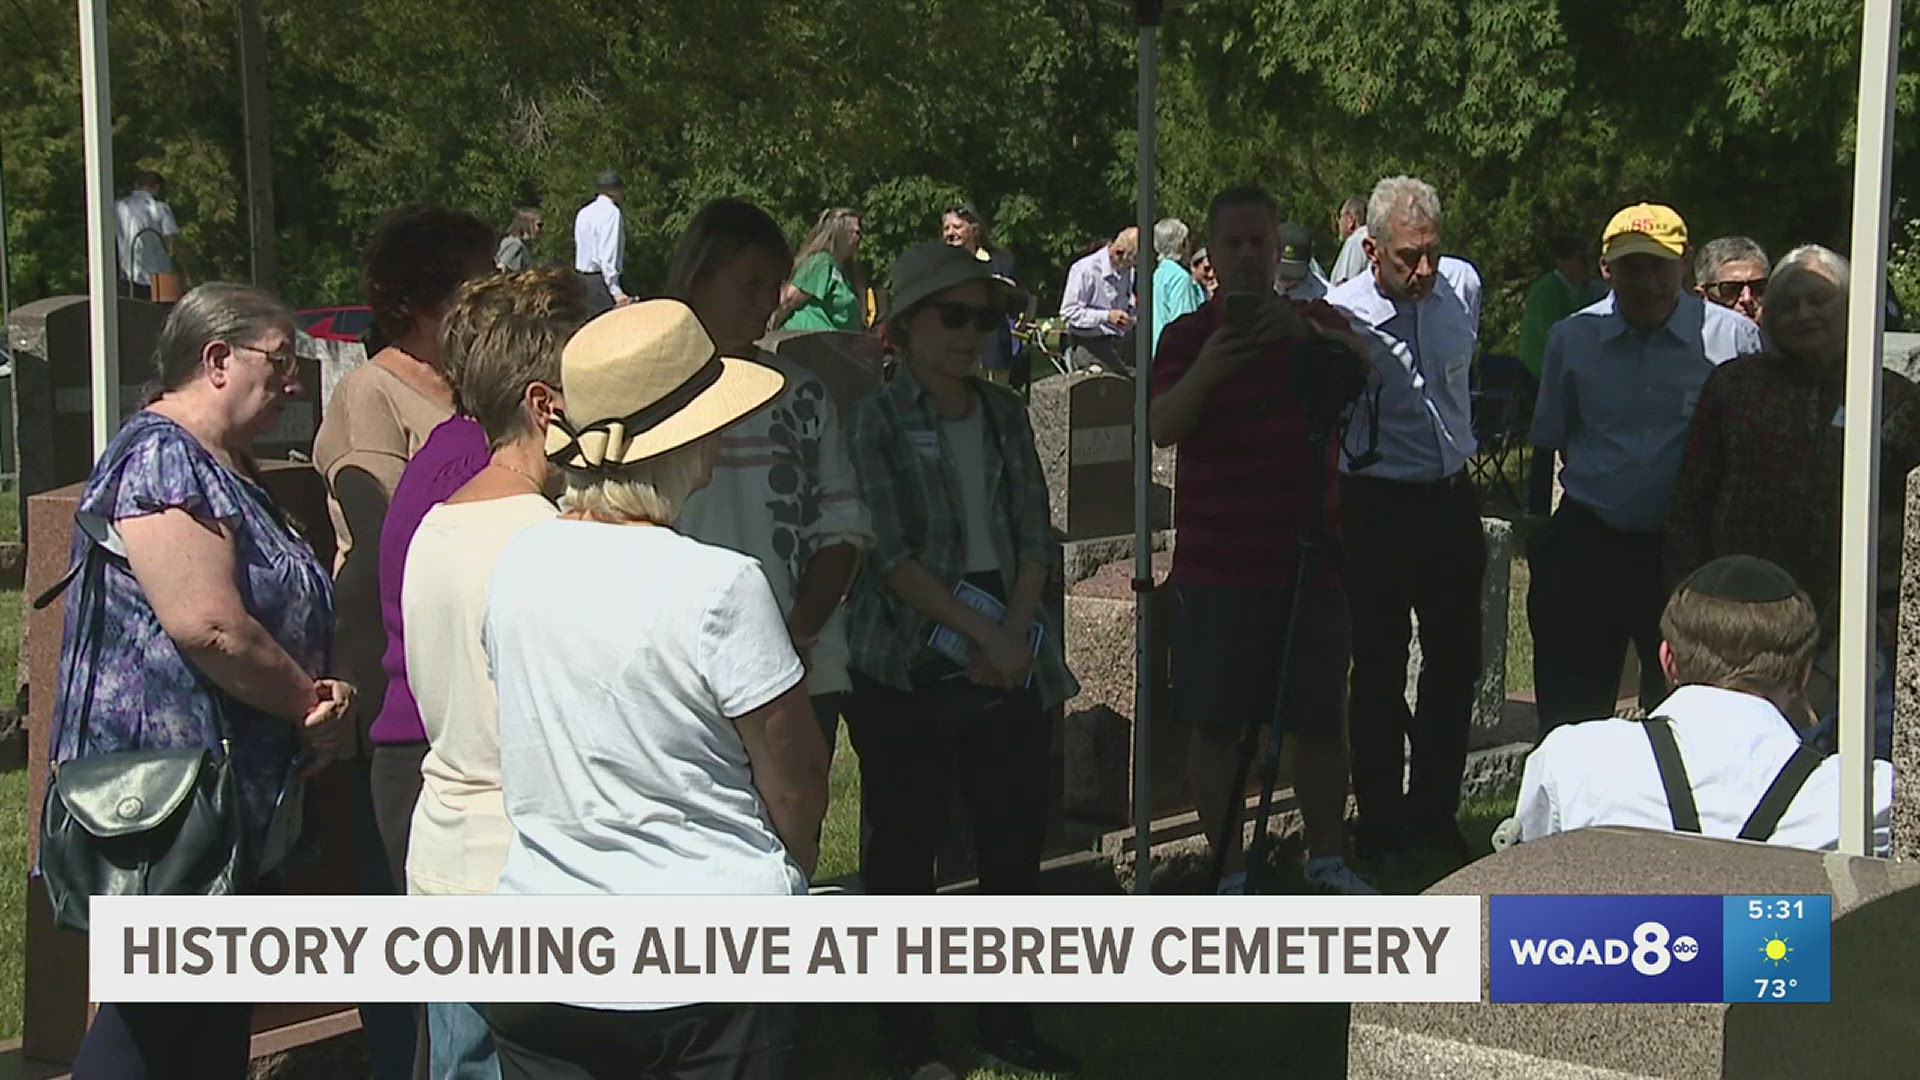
(600, 446)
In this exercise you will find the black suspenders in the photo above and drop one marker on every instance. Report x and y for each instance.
(1765, 817)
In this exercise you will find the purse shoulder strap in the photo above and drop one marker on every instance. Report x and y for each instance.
(96, 616)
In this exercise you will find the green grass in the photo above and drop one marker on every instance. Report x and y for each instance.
(13, 898)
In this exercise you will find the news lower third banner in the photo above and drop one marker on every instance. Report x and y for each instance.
(608, 950)
(1661, 948)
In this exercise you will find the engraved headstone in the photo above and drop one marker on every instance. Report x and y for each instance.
(1100, 457)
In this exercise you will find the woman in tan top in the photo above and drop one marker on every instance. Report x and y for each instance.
(377, 418)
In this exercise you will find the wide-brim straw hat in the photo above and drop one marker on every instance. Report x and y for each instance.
(645, 380)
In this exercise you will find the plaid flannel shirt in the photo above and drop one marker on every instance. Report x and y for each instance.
(908, 482)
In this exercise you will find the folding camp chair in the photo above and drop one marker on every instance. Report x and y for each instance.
(1502, 413)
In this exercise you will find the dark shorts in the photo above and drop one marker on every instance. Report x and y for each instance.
(1227, 648)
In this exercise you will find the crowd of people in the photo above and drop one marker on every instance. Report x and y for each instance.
(610, 573)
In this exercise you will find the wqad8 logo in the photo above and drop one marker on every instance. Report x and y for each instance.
(1605, 948)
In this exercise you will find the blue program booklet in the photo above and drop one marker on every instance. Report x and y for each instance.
(954, 645)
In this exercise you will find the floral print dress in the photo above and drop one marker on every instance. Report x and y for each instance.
(124, 684)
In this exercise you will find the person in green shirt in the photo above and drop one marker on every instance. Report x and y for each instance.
(821, 295)
(1556, 294)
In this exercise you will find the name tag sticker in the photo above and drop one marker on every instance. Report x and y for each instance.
(925, 443)
(1840, 416)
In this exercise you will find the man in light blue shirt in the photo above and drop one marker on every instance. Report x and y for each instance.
(1174, 291)
(1098, 305)
(1618, 386)
(1411, 522)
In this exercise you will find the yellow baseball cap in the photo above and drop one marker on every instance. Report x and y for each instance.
(1644, 229)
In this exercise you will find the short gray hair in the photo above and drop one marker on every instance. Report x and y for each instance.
(1726, 249)
(653, 490)
(1399, 197)
(1169, 237)
(1823, 261)
(215, 311)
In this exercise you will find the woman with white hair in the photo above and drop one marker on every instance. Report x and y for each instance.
(1761, 475)
(655, 735)
(1175, 292)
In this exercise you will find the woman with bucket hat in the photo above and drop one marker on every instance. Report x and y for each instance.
(956, 667)
(655, 735)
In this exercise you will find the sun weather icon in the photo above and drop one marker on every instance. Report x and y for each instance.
(1776, 950)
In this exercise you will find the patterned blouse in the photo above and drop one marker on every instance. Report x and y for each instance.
(124, 684)
(1761, 475)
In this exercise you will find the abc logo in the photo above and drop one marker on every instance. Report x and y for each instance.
(1651, 953)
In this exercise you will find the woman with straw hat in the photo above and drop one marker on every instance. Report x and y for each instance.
(956, 666)
(655, 735)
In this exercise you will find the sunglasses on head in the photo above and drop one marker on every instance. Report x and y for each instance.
(953, 316)
(1728, 291)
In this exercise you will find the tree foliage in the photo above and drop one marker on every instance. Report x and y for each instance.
(1531, 116)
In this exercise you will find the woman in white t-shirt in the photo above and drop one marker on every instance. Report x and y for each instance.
(783, 490)
(501, 344)
(655, 734)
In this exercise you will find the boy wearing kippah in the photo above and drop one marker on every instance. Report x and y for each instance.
(1719, 756)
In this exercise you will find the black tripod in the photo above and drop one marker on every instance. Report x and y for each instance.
(1316, 548)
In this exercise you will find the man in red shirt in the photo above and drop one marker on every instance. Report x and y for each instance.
(1244, 494)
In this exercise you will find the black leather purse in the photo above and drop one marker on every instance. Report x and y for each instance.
(137, 822)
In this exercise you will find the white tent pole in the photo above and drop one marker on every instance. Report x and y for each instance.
(1149, 18)
(103, 313)
(1860, 477)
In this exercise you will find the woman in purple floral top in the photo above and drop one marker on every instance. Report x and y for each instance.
(198, 608)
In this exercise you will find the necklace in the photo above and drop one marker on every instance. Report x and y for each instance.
(538, 483)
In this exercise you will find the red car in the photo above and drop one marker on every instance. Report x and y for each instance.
(344, 323)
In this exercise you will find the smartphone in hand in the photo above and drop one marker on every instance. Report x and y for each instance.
(1243, 310)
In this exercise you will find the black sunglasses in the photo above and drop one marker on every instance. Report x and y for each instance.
(1728, 291)
(953, 316)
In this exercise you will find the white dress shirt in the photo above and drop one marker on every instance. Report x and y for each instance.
(1422, 372)
(1602, 772)
(1618, 404)
(599, 243)
(1352, 259)
(1094, 288)
(142, 225)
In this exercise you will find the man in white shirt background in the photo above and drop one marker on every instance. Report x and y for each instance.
(144, 232)
(1350, 225)
(599, 245)
(1721, 756)
(1618, 386)
(1411, 522)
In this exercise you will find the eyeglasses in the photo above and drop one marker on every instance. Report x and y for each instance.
(1728, 291)
(953, 316)
(284, 363)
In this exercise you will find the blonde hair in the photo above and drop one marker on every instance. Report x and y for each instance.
(832, 233)
(504, 332)
(1764, 649)
(654, 490)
